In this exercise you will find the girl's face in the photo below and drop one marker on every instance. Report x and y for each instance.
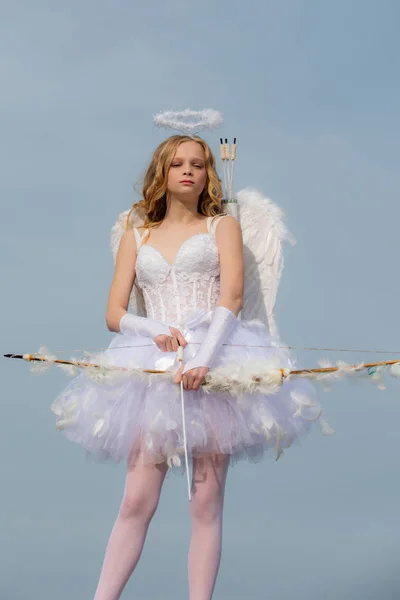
(187, 174)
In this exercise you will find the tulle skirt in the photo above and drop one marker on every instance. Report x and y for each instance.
(123, 415)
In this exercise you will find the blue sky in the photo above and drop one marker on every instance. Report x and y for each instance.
(311, 90)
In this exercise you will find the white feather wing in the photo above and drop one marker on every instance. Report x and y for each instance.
(263, 232)
(136, 300)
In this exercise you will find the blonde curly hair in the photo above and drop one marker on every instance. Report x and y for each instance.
(152, 207)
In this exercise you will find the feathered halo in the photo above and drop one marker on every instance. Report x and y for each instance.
(189, 121)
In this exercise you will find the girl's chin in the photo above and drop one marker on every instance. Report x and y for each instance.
(185, 192)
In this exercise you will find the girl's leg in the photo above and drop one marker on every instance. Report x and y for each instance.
(209, 477)
(139, 503)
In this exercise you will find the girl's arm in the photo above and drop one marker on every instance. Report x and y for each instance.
(230, 246)
(123, 280)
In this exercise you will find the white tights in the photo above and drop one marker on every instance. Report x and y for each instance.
(141, 496)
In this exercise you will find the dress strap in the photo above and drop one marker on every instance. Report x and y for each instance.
(138, 237)
(212, 223)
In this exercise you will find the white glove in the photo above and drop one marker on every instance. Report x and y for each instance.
(222, 324)
(132, 324)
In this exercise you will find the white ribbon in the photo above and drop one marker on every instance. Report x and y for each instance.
(180, 359)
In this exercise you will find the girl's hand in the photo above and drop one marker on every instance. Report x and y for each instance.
(192, 379)
(169, 343)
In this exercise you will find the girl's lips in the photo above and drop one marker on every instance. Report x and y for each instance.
(187, 182)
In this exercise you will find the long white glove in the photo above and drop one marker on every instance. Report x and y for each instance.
(132, 324)
(222, 323)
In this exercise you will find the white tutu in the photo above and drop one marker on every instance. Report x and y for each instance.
(127, 415)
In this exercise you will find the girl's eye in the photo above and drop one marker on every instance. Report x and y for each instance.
(179, 164)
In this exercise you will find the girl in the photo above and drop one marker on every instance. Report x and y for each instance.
(186, 262)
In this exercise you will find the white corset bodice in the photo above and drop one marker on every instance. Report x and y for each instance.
(172, 292)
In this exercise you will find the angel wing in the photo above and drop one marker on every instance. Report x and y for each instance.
(263, 232)
(136, 219)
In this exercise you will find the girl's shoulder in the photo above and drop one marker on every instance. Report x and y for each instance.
(230, 222)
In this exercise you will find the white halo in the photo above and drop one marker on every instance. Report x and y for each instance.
(189, 120)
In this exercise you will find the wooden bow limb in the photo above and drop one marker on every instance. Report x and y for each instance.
(77, 363)
(383, 363)
(284, 372)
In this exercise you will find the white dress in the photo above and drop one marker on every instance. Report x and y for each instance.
(120, 417)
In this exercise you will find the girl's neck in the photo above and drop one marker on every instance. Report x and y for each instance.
(177, 214)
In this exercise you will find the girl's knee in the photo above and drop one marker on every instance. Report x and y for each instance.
(138, 504)
(206, 508)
